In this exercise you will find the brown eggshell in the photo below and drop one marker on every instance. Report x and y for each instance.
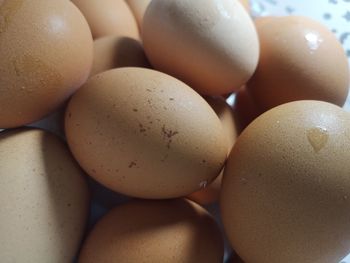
(285, 192)
(138, 7)
(45, 54)
(108, 17)
(300, 59)
(145, 134)
(44, 199)
(169, 231)
(211, 45)
(235, 259)
(211, 193)
(115, 52)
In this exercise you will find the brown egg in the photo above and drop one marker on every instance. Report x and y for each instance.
(115, 52)
(245, 109)
(108, 17)
(138, 7)
(44, 199)
(211, 192)
(45, 54)
(285, 193)
(211, 45)
(169, 231)
(145, 134)
(235, 259)
(297, 62)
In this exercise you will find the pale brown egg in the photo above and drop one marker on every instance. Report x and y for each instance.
(44, 199)
(114, 52)
(211, 45)
(108, 17)
(300, 59)
(145, 134)
(285, 191)
(45, 54)
(169, 231)
(138, 7)
(211, 192)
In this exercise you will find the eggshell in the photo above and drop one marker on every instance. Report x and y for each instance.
(138, 7)
(211, 193)
(115, 52)
(300, 59)
(145, 134)
(211, 45)
(108, 17)
(44, 199)
(45, 54)
(169, 231)
(235, 259)
(285, 192)
(246, 4)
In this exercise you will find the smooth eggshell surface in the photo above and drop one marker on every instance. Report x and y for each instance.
(108, 17)
(285, 192)
(45, 54)
(169, 231)
(138, 7)
(300, 59)
(114, 52)
(44, 199)
(145, 134)
(211, 45)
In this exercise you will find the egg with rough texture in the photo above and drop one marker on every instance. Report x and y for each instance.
(211, 192)
(285, 191)
(300, 59)
(45, 54)
(145, 134)
(169, 231)
(211, 45)
(108, 17)
(114, 52)
(44, 198)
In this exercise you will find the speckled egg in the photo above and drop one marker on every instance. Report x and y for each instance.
(146, 134)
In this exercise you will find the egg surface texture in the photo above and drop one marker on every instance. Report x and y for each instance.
(108, 17)
(285, 192)
(300, 59)
(44, 199)
(169, 231)
(138, 7)
(145, 134)
(45, 54)
(211, 45)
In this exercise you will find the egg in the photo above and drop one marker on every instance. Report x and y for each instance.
(211, 45)
(116, 51)
(285, 192)
(235, 259)
(300, 59)
(44, 199)
(155, 231)
(246, 4)
(138, 7)
(45, 54)
(211, 192)
(108, 17)
(145, 134)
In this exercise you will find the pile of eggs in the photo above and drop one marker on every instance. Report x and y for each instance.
(143, 85)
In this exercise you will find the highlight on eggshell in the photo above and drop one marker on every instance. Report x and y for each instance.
(211, 45)
(300, 59)
(43, 60)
